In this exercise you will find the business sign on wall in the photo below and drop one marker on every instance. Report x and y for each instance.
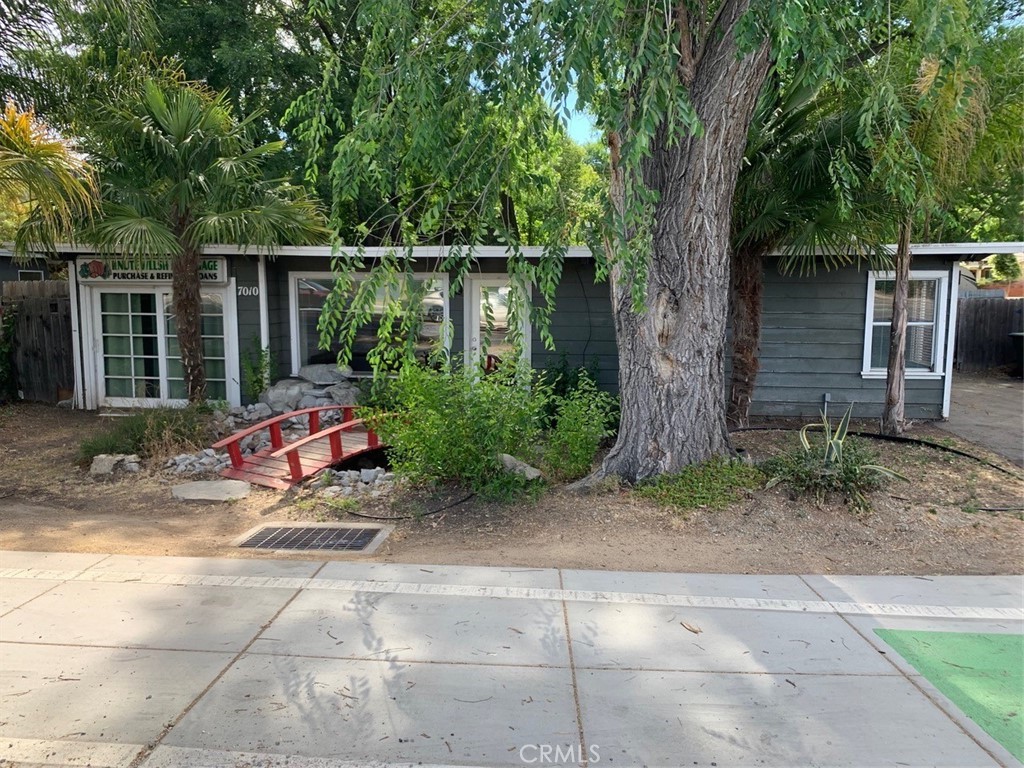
(149, 269)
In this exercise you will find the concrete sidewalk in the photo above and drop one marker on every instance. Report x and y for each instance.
(159, 662)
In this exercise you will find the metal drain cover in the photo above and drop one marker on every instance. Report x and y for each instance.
(315, 537)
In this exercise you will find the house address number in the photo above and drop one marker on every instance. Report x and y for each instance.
(248, 290)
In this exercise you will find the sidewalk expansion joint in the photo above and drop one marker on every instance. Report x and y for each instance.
(915, 680)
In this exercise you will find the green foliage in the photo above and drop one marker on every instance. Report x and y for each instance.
(450, 425)
(8, 376)
(257, 370)
(835, 464)
(714, 484)
(152, 433)
(583, 418)
(1005, 267)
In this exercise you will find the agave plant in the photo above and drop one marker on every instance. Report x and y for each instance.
(841, 468)
(833, 456)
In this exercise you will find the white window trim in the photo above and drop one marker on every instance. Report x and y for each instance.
(91, 325)
(939, 341)
(469, 315)
(293, 305)
(23, 272)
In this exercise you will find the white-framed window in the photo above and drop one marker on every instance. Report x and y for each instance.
(308, 292)
(927, 295)
(30, 274)
(138, 360)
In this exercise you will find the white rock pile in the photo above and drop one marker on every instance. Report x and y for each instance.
(332, 483)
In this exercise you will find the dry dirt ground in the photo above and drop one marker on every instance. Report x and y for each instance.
(943, 522)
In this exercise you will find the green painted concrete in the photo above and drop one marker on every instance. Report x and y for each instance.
(983, 674)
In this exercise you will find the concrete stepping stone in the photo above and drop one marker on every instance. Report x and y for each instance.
(212, 490)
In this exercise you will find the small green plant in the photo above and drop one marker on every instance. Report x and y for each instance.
(450, 425)
(714, 484)
(583, 418)
(8, 382)
(839, 465)
(152, 433)
(257, 371)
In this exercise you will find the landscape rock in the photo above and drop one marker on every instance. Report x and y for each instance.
(105, 464)
(512, 464)
(211, 490)
(324, 374)
(260, 412)
(283, 396)
(368, 475)
(344, 394)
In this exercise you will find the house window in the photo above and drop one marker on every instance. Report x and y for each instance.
(309, 293)
(926, 323)
(30, 274)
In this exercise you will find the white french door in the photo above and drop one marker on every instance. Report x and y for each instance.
(488, 310)
(138, 361)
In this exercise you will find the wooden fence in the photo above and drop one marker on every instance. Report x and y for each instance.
(983, 331)
(43, 362)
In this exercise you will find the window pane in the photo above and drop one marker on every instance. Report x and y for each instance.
(883, 300)
(921, 300)
(215, 369)
(920, 339)
(880, 347)
(216, 390)
(143, 303)
(213, 326)
(114, 302)
(116, 324)
(213, 347)
(117, 345)
(176, 390)
(118, 387)
(313, 293)
(174, 368)
(144, 324)
(145, 346)
(118, 366)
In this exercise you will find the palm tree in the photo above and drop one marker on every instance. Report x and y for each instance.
(46, 188)
(787, 200)
(177, 172)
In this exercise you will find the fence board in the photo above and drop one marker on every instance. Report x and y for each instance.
(983, 338)
(43, 361)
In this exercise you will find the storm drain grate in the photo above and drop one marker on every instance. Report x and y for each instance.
(342, 538)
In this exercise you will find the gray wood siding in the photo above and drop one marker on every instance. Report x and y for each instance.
(813, 343)
(245, 270)
(581, 325)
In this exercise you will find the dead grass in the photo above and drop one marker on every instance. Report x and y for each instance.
(943, 522)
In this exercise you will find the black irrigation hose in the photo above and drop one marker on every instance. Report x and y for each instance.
(893, 439)
(412, 517)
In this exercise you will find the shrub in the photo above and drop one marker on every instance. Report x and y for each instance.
(450, 425)
(833, 464)
(152, 433)
(582, 418)
(257, 370)
(714, 484)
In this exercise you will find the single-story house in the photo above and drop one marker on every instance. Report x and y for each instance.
(825, 335)
(11, 271)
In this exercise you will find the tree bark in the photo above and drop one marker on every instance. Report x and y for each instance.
(893, 422)
(188, 309)
(745, 299)
(671, 356)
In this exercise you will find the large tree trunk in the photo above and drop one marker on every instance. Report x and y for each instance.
(188, 308)
(745, 299)
(892, 417)
(671, 356)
